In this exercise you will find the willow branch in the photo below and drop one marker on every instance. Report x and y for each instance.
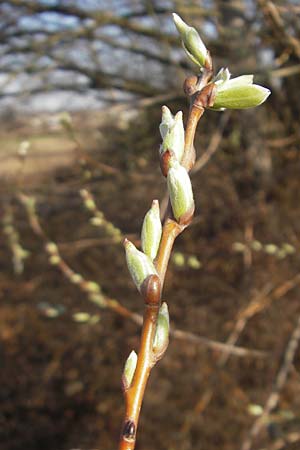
(199, 98)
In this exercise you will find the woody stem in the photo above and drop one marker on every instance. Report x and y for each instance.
(146, 359)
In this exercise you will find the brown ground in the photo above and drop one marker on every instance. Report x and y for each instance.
(60, 379)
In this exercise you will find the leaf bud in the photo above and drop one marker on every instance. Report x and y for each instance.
(181, 193)
(172, 133)
(238, 93)
(92, 287)
(129, 369)
(191, 85)
(98, 299)
(222, 76)
(151, 231)
(76, 278)
(54, 260)
(167, 121)
(192, 43)
(88, 200)
(51, 248)
(288, 248)
(140, 265)
(161, 338)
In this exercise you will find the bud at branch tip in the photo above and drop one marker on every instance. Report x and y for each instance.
(192, 43)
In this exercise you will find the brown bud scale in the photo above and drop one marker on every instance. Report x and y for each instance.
(190, 85)
(206, 97)
(187, 217)
(164, 161)
(151, 290)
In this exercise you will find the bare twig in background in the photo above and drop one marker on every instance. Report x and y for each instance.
(214, 143)
(18, 253)
(242, 320)
(280, 381)
(261, 301)
(98, 219)
(289, 439)
(218, 346)
(272, 13)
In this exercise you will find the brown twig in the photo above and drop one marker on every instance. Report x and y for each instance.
(199, 98)
(282, 443)
(146, 360)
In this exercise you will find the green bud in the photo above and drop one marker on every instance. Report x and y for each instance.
(288, 248)
(89, 204)
(167, 121)
(65, 120)
(140, 265)
(255, 410)
(271, 249)
(281, 254)
(192, 43)
(178, 259)
(20, 252)
(23, 148)
(256, 246)
(161, 338)
(96, 221)
(87, 200)
(92, 287)
(180, 191)
(129, 370)
(172, 132)
(76, 278)
(238, 247)
(81, 317)
(51, 248)
(54, 260)
(222, 76)
(238, 93)
(194, 262)
(151, 231)
(98, 299)
(242, 80)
